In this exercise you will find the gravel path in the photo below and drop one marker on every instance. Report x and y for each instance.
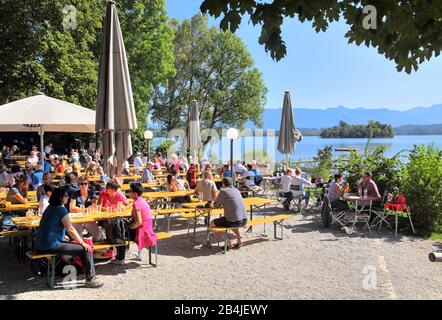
(310, 263)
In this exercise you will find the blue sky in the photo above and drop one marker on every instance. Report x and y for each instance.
(323, 70)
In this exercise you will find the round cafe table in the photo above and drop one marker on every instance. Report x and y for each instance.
(361, 205)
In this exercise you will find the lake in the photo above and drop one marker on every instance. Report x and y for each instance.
(306, 149)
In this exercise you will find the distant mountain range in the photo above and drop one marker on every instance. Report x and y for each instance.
(323, 118)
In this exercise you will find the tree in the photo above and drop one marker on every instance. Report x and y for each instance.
(407, 32)
(374, 129)
(38, 52)
(214, 68)
(148, 39)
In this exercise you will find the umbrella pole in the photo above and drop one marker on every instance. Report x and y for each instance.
(287, 160)
(42, 146)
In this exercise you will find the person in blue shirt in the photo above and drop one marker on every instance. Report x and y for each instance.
(37, 177)
(147, 173)
(228, 174)
(51, 236)
(49, 164)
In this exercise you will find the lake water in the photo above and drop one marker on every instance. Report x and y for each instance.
(245, 147)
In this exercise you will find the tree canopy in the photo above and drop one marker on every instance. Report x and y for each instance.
(214, 68)
(408, 32)
(374, 129)
(38, 52)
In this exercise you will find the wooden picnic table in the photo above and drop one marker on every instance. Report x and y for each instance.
(126, 187)
(21, 207)
(168, 194)
(34, 222)
(251, 203)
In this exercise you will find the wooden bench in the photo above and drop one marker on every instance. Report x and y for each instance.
(200, 212)
(17, 239)
(277, 221)
(168, 214)
(50, 275)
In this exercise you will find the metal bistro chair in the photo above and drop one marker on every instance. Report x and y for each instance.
(381, 213)
(297, 197)
(332, 215)
(280, 197)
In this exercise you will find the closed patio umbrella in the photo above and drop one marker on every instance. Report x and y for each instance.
(194, 131)
(288, 136)
(115, 114)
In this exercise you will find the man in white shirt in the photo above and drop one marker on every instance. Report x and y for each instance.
(250, 179)
(48, 149)
(299, 182)
(138, 163)
(238, 168)
(286, 181)
(207, 187)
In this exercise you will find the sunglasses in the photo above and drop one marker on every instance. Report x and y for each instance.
(84, 184)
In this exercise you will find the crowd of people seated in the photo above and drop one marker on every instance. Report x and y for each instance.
(76, 191)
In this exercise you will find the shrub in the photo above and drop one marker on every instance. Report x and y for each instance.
(164, 147)
(421, 184)
(386, 171)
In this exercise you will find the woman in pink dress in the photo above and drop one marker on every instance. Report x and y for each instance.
(141, 226)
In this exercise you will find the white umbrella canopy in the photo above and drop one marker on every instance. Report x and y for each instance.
(42, 114)
(52, 114)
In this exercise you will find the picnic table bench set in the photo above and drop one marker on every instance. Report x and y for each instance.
(26, 226)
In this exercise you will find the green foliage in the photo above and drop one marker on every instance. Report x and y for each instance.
(386, 171)
(38, 54)
(374, 129)
(164, 147)
(407, 32)
(261, 157)
(214, 68)
(148, 39)
(421, 184)
(324, 165)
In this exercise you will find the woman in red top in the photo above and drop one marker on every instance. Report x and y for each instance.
(111, 197)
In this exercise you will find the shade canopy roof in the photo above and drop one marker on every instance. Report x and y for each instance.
(51, 114)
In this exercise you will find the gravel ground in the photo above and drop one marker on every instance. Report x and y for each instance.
(310, 263)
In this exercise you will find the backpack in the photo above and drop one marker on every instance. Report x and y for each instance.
(117, 230)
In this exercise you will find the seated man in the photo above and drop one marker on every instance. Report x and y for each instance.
(369, 187)
(298, 183)
(207, 188)
(286, 181)
(235, 213)
(148, 173)
(250, 179)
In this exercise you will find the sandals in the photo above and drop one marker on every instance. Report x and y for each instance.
(237, 246)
